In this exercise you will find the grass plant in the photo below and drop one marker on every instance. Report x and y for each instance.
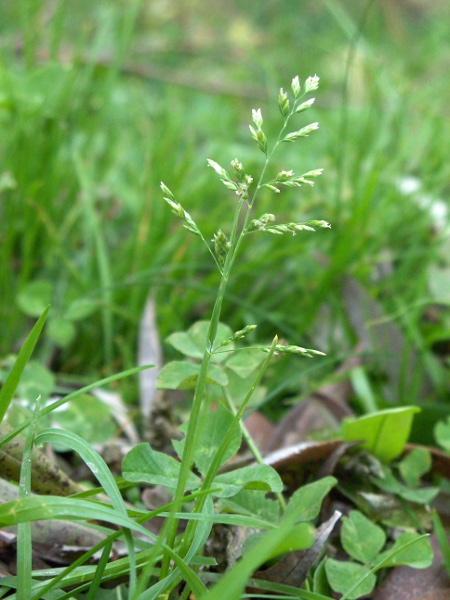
(211, 439)
(98, 103)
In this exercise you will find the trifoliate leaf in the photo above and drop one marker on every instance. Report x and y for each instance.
(144, 465)
(361, 539)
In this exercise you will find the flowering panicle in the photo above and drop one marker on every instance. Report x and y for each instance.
(258, 134)
(221, 246)
(238, 335)
(290, 103)
(179, 211)
(311, 84)
(303, 132)
(283, 103)
(289, 179)
(264, 224)
(305, 105)
(279, 349)
(244, 181)
(295, 87)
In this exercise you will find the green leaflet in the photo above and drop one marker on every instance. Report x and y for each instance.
(383, 433)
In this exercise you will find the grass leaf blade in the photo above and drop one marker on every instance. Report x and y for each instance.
(9, 388)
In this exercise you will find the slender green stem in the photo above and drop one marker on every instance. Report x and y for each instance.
(217, 460)
(192, 433)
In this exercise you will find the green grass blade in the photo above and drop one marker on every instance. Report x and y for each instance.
(12, 583)
(97, 580)
(442, 540)
(37, 508)
(92, 459)
(287, 590)
(113, 570)
(24, 541)
(9, 388)
(42, 508)
(101, 471)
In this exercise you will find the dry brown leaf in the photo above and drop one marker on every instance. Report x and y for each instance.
(149, 353)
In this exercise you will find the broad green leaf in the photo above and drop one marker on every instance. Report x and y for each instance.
(233, 583)
(384, 433)
(36, 381)
(192, 342)
(442, 434)
(238, 389)
(177, 374)
(144, 465)
(421, 495)
(415, 464)
(390, 484)
(439, 283)
(80, 308)
(410, 549)
(320, 581)
(306, 502)
(252, 503)
(83, 416)
(183, 375)
(213, 433)
(61, 331)
(343, 575)
(244, 362)
(361, 539)
(253, 477)
(12, 381)
(35, 296)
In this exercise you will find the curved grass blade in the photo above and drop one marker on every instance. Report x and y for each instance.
(63, 577)
(42, 508)
(101, 471)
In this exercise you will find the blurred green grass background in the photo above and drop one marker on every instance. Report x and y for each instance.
(101, 101)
